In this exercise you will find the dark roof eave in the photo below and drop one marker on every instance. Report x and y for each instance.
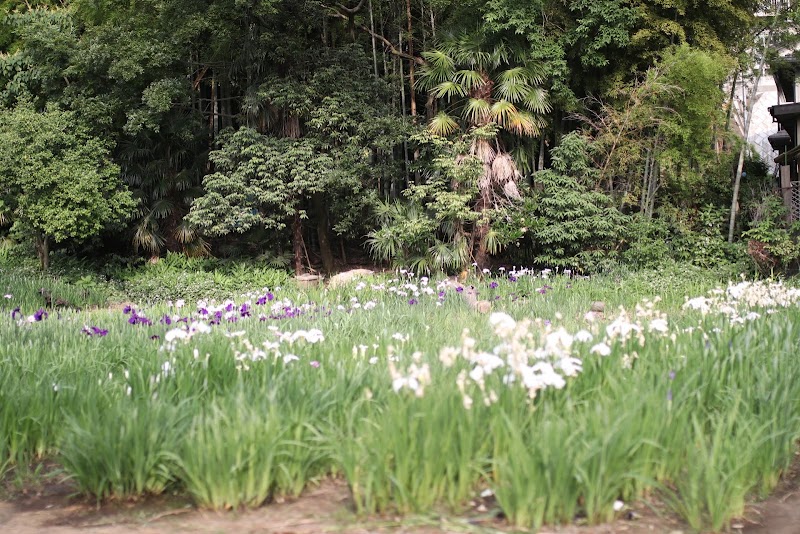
(789, 110)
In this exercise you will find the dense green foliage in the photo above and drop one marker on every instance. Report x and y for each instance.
(297, 128)
(56, 179)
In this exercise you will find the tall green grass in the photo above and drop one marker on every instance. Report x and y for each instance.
(705, 419)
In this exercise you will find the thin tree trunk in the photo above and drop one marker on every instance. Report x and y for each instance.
(43, 251)
(321, 212)
(403, 105)
(297, 242)
(540, 163)
(652, 188)
(374, 44)
(746, 131)
(481, 255)
(645, 182)
(730, 102)
(411, 91)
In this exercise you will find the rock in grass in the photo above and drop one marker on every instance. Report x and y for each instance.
(348, 276)
(306, 281)
(483, 306)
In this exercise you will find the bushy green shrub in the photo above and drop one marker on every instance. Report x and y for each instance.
(572, 224)
(771, 240)
(177, 276)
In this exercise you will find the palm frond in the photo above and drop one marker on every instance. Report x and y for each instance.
(477, 111)
(511, 191)
(419, 264)
(197, 248)
(524, 123)
(484, 151)
(498, 56)
(502, 112)
(504, 169)
(147, 236)
(537, 101)
(184, 232)
(162, 208)
(384, 244)
(492, 242)
(439, 68)
(470, 79)
(443, 124)
(449, 89)
(512, 84)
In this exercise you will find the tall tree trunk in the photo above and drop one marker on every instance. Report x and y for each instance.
(480, 254)
(411, 81)
(403, 105)
(374, 44)
(297, 242)
(43, 251)
(321, 212)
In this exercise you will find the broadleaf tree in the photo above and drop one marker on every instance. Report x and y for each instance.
(57, 181)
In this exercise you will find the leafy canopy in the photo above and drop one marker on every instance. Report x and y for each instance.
(56, 179)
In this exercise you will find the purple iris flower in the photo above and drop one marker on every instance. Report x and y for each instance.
(203, 311)
(266, 298)
(94, 331)
(229, 307)
(542, 291)
(135, 319)
(126, 310)
(166, 320)
(411, 302)
(244, 311)
(512, 278)
(16, 312)
(40, 314)
(493, 285)
(459, 289)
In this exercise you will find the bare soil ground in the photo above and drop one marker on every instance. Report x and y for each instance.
(46, 503)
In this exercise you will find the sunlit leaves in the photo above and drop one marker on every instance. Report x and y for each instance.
(443, 124)
(477, 110)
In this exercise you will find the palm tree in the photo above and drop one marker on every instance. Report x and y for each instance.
(485, 90)
(164, 173)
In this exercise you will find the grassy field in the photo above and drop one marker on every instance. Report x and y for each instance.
(401, 387)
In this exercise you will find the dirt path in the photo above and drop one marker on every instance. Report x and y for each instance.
(327, 509)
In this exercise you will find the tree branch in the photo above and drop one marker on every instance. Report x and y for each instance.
(389, 45)
(351, 11)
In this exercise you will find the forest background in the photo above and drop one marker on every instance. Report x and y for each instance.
(430, 134)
